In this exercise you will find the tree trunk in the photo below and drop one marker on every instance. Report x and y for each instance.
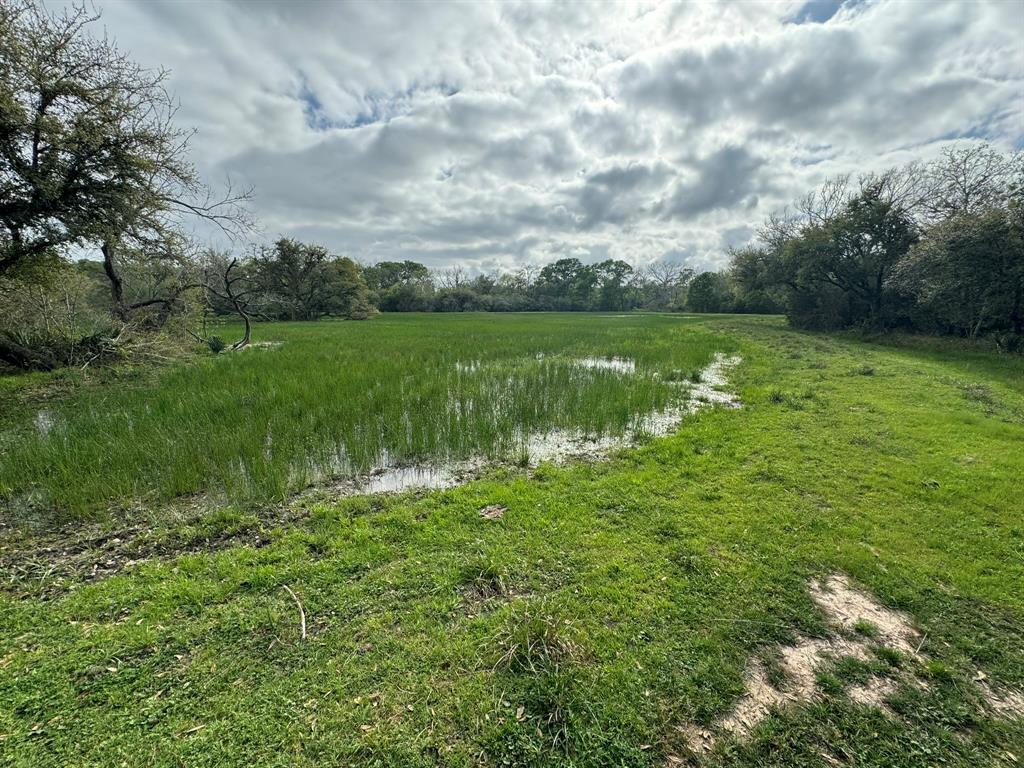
(14, 354)
(116, 286)
(244, 341)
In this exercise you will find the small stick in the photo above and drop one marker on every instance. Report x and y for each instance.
(918, 650)
(302, 612)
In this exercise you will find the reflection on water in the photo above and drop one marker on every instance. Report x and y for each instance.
(395, 479)
(616, 364)
(44, 422)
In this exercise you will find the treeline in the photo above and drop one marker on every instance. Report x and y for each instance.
(936, 247)
(565, 285)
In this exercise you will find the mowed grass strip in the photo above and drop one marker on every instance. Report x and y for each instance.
(610, 604)
(335, 398)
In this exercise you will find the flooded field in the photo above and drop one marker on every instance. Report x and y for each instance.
(379, 406)
(559, 445)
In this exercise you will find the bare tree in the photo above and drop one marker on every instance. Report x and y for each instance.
(778, 228)
(823, 204)
(453, 277)
(667, 278)
(231, 280)
(970, 179)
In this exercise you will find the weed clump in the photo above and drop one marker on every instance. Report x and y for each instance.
(483, 580)
(532, 640)
(979, 393)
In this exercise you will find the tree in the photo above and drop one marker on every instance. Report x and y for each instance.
(971, 179)
(967, 274)
(89, 153)
(666, 281)
(861, 247)
(232, 280)
(567, 284)
(90, 157)
(385, 274)
(300, 281)
(291, 275)
(753, 273)
(346, 293)
(710, 292)
(613, 279)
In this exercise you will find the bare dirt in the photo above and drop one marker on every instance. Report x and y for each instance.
(860, 623)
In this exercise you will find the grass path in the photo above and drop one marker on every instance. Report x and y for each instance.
(610, 607)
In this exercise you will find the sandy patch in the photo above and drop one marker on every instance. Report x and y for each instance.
(846, 607)
(861, 623)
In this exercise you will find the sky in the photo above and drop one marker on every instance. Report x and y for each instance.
(496, 135)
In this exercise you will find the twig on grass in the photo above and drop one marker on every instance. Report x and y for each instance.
(302, 612)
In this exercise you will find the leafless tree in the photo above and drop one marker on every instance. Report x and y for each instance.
(230, 279)
(453, 277)
(823, 204)
(970, 179)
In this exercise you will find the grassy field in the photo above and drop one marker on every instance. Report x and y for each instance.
(331, 399)
(614, 608)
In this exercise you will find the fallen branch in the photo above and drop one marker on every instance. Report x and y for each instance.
(302, 612)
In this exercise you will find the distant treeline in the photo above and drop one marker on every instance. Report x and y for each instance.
(935, 247)
(565, 285)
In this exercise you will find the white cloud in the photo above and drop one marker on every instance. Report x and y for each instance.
(495, 134)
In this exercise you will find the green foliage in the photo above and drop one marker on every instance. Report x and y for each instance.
(967, 274)
(937, 247)
(299, 281)
(710, 292)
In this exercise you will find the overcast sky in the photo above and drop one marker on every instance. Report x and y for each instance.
(491, 135)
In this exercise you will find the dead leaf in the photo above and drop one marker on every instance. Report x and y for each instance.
(493, 512)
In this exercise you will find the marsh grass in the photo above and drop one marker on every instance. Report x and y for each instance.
(335, 399)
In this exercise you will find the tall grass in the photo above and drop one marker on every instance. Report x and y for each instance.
(337, 398)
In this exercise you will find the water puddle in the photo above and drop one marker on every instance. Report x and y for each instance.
(562, 445)
(395, 479)
(616, 364)
(555, 445)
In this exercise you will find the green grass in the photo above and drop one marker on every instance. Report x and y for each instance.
(336, 398)
(612, 602)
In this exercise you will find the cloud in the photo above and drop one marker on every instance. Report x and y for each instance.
(498, 134)
(725, 179)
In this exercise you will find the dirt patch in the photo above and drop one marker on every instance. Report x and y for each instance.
(800, 663)
(874, 693)
(1004, 703)
(850, 609)
(860, 625)
(59, 561)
